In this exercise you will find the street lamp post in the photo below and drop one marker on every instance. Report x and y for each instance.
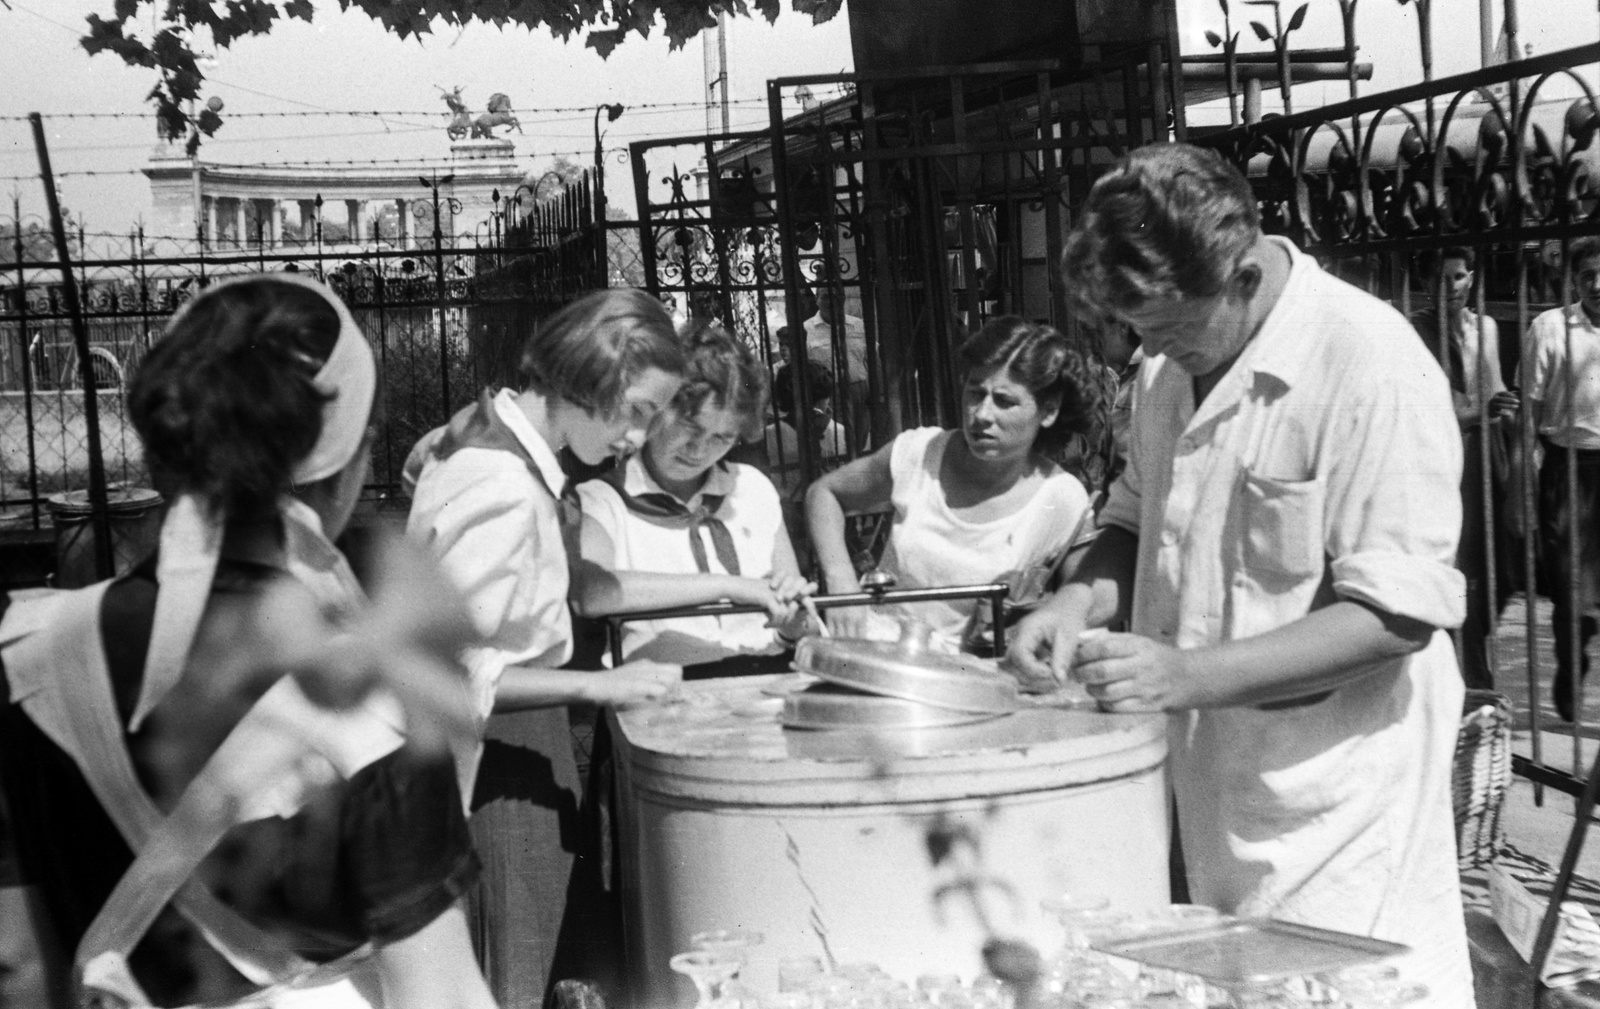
(613, 112)
(496, 219)
(514, 207)
(438, 278)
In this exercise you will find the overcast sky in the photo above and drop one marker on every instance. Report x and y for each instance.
(345, 61)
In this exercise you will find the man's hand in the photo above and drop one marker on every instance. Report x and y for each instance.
(1504, 404)
(1131, 673)
(1040, 648)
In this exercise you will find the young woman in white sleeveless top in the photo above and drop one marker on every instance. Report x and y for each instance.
(976, 505)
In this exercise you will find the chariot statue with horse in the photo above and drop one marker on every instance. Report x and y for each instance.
(463, 125)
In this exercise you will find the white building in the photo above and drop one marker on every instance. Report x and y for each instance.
(249, 207)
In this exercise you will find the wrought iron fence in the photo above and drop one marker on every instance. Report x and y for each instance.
(926, 203)
(445, 318)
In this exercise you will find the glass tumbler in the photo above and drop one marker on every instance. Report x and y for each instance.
(795, 973)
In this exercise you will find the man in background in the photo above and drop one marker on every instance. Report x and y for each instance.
(844, 355)
(1467, 346)
(1564, 402)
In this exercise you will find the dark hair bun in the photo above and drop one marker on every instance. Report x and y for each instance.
(225, 404)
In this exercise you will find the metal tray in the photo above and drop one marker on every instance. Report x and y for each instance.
(905, 670)
(826, 706)
(1245, 951)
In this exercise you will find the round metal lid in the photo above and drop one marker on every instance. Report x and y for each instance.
(829, 706)
(907, 669)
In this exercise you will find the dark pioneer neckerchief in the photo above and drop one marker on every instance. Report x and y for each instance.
(663, 509)
(481, 426)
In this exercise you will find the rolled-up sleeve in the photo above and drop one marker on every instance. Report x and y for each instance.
(1393, 506)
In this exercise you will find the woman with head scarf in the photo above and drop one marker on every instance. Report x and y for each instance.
(201, 829)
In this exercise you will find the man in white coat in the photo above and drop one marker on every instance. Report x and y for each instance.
(1281, 548)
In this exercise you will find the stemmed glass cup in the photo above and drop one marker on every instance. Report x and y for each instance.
(710, 970)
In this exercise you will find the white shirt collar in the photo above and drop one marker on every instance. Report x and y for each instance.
(1275, 350)
(1578, 317)
(636, 479)
(505, 404)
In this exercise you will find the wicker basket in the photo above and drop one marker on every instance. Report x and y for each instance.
(1481, 776)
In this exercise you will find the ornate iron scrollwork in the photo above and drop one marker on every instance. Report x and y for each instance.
(1330, 180)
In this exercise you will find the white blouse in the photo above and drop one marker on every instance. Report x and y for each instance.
(752, 514)
(932, 546)
(496, 531)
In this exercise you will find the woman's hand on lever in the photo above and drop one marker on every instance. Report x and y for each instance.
(863, 486)
(779, 595)
(849, 621)
(846, 621)
(784, 593)
(791, 618)
(632, 683)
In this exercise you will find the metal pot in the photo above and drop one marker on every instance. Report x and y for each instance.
(909, 671)
(830, 706)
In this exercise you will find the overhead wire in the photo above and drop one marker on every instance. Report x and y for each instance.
(437, 161)
(314, 110)
(409, 129)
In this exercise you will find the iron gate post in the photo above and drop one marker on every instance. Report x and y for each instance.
(100, 517)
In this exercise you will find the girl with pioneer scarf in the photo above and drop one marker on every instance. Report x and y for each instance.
(494, 506)
(199, 825)
(679, 525)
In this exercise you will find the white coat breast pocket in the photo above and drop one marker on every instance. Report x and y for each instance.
(1283, 528)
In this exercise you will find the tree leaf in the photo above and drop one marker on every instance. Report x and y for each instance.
(1224, 5)
(603, 42)
(171, 48)
(820, 10)
(1213, 39)
(1262, 31)
(1299, 17)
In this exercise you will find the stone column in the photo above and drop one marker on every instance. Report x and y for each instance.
(274, 222)
(241, 236)
(208, 207)
(402, 210)
(308, 221)
(352, 219)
